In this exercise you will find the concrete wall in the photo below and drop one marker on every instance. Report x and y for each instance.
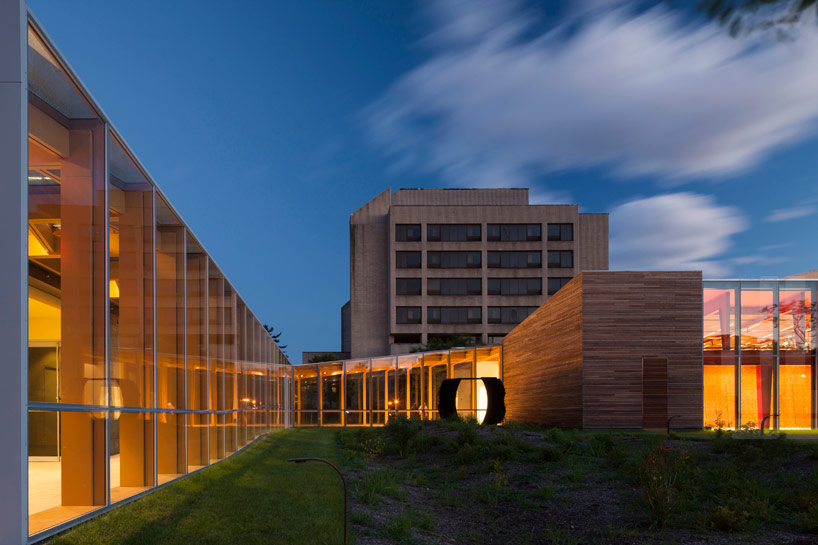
(460, 197)
(369, 277)
(13, 271)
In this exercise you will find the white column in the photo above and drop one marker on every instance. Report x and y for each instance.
(13, 265)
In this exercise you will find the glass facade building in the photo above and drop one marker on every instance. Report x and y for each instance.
(143, 362)
(366, 392)
(759, 349)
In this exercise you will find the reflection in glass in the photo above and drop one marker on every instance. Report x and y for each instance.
(719, 318)
(410, 381)
(331, 398)
(462, 362)
(488, 362)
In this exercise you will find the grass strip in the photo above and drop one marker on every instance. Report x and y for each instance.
(252, 497)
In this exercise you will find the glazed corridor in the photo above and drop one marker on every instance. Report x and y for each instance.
(144, 364)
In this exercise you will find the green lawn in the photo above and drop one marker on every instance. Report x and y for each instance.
(253, 497)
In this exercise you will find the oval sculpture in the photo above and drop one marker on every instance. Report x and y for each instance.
(495, 394)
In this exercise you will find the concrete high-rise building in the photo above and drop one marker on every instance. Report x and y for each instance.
(428, 263)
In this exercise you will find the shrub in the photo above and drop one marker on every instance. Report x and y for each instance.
(725, 519)
(659, 474)
(808, 520)
(403, 432)
(550, 454)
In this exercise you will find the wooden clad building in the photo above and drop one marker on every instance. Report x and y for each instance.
(612, 349)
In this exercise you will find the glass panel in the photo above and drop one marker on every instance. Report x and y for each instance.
(757, 308)
(131, 450)
(462, 367)
(197, 393)
(65, 486)
(757, 374)
(230, 395)
(306, 392)
(795, 377)
(170, 342)
(215, 334)
(356, 391)
(410, 380)
(488, 365)
(436, 366)
(331, 386)
(797, 318)
(719, 392)
(67, 297)
(383, 399)
(719, 319)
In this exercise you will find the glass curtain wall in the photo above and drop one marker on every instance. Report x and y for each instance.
(367, 392)
(138, 353)
(759, 354)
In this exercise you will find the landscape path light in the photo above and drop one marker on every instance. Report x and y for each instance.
(343, 482)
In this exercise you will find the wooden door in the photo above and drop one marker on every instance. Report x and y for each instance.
(654, 393)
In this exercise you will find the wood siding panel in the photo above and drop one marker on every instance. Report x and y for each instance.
(542, 363)
(654, 393)
(628, 316)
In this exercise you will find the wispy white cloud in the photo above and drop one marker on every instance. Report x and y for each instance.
(784, 214)
(676, 231)
(644, 93)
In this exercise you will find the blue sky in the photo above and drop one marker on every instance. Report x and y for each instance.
(267, 125)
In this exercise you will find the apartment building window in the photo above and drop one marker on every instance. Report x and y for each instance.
(454, 315)
(560, 231)
(512, 232)
(555, 284)
(453, 233)
(453, 260)
(407, 232)
(454, 286)
(509, 315)
(562, 259)
(407, 260)
(515, 286)
(515, 260)
(407, 286)
(407, 315)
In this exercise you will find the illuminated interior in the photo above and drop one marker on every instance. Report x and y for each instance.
(776, 354)
(127, 314)
(369, 391)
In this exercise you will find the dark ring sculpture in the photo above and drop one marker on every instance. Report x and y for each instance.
(495, 392)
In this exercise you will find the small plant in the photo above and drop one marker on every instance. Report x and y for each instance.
(659, 475)
(546, 492)
(719, 423)
(808, 520)
(372, 447)
(725, 519)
